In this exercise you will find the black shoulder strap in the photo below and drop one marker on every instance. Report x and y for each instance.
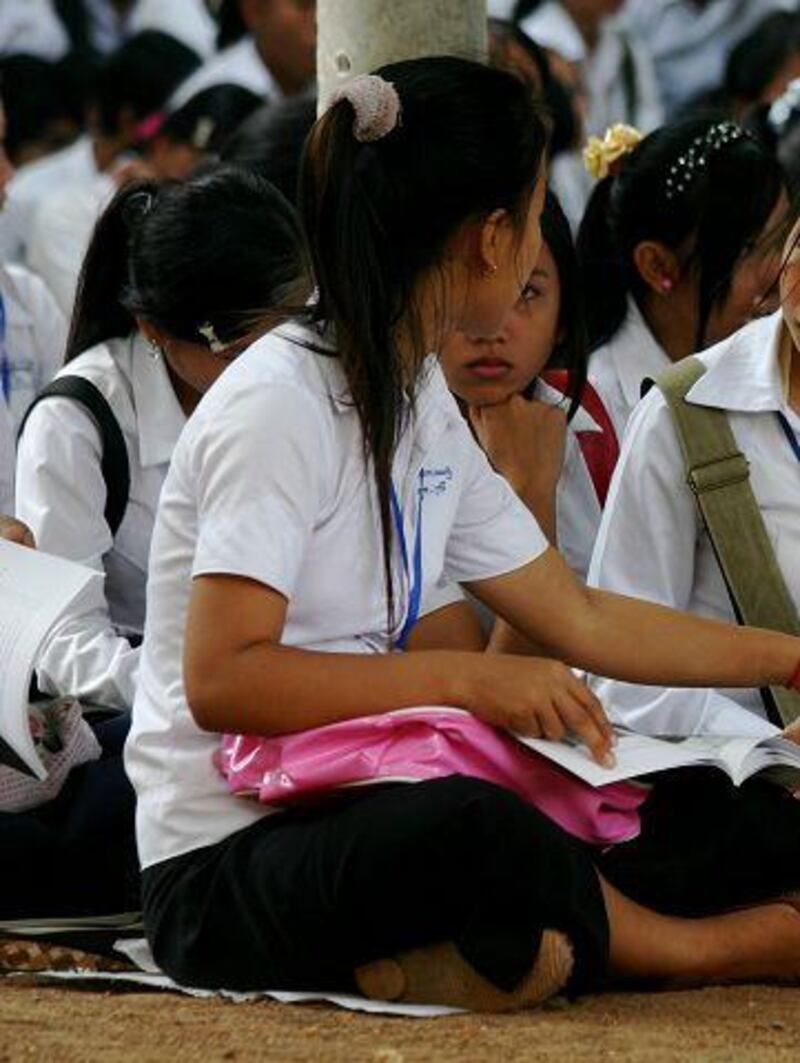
(114, 462)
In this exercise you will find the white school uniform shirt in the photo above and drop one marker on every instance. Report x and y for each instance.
(652, 543)
(33, 28)
(61, 496)
(578, 510)
(32, 184)
(604, 75)
(268, 482)
(618, 369)
(35, 340)
(690, 44)
(36, 337)
(238, 64)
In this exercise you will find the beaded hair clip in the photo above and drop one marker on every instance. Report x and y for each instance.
(694, 160)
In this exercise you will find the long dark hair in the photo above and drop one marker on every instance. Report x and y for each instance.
(572, 350)
(224, 249)
(724, 208)
(379, 215)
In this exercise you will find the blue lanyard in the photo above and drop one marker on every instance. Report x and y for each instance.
(5, 361)
(413, 570)
(790, 434)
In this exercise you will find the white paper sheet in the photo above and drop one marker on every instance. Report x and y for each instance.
(149, 976)
(35, 589)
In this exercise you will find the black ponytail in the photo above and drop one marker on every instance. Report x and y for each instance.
(380, 215)
(99, 313)
(223, 249)
(572, 351)
(605, 279)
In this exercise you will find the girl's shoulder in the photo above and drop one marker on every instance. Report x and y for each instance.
(108, 367)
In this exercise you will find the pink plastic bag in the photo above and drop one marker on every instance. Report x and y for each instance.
(427, 743)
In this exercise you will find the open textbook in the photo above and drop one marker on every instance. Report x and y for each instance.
(35, 590)
(637, 755)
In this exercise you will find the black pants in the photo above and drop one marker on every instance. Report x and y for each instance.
(76, 855)
(299, 900)
(707, 845)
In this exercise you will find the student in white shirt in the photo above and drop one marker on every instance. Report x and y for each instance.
(170, 146)
(151, 334)
(277, 589)
(615, 69)
(652, 541)
(33, 336)
(679, 247)
(128, 87)
(518, 416)
(276, 59)
(690, 40)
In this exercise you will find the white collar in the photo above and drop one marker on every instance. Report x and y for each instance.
(581, 422)
(743, 372)
(159, 417)
(636, 354)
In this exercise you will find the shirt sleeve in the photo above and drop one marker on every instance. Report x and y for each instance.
(61, 496)
(260, 467)
(647, 548)
(493, 532)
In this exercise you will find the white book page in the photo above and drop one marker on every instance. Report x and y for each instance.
(35, 589)
(642, 755)
(773, 752)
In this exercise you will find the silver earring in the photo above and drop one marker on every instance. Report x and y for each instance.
(154, 350)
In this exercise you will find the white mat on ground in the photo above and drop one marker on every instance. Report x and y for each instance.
(150, 976)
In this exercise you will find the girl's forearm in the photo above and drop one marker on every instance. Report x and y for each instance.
(640, 642)
(272, 689)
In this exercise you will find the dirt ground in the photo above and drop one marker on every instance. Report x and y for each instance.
(740, 1024)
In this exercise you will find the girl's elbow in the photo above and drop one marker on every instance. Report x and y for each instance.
(206, 700)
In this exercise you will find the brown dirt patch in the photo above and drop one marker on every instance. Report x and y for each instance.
(741, 1024)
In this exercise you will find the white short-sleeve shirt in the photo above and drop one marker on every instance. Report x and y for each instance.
(652, 543)
(268, 482)
(61, 496)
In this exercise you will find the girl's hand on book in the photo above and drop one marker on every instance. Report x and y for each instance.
(539, 698)
(16, 532)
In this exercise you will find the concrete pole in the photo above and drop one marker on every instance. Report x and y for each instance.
(357, 36)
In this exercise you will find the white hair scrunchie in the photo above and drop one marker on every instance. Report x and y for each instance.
(376, 104)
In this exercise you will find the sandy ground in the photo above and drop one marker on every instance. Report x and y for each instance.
(740, 1024)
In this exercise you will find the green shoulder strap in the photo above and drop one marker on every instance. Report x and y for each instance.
(719, 476)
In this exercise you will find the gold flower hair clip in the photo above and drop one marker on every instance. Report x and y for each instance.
(602, 157)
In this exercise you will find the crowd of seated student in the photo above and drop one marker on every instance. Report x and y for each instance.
(298, 535)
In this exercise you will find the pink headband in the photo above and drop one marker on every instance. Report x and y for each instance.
(376, 104)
